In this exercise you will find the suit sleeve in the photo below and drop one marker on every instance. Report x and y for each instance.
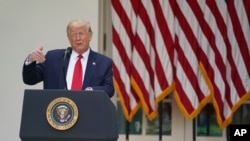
(32, 73)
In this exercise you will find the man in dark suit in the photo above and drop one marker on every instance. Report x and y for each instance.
(56, 68)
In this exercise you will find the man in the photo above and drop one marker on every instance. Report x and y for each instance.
(56, 68)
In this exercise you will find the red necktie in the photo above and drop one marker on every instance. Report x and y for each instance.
(77, 75)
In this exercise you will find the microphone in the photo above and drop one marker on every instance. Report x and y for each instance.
(67, 54)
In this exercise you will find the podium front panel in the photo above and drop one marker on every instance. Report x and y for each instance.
(97, 117)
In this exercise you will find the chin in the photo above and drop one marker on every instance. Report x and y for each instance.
(80, 47)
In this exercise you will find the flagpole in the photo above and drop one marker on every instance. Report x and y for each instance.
(127, 130)
(228, 133)
(160, 120)
(194, 129)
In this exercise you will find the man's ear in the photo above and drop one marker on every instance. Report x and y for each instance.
(90, 37)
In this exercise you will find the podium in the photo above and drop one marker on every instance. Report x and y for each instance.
(89, 116)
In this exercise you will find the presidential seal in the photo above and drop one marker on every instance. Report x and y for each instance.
(62, 113)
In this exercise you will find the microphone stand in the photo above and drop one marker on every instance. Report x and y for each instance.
(66, 55)
(64, 76)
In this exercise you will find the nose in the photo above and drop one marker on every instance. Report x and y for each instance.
(78, 36)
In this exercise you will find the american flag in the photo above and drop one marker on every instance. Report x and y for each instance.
(200, 50)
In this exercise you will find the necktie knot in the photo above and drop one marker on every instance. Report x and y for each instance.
(79, 56)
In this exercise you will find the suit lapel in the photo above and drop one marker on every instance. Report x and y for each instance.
(90, 69)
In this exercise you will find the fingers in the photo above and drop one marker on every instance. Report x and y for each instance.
(37, 55)
(41, 48)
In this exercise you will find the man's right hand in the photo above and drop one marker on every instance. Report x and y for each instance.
(37, 55)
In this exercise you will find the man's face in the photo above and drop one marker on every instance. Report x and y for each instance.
(79, 38)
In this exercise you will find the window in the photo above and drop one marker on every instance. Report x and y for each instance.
(207, 123)
(153, 126)
(242, 115)
(136, 126)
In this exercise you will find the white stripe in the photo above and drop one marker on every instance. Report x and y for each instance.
(118, 26)
(144, 75)
(242, 15)
(187, 49)
(159, 46)
(168, 15)
(163, 55)
(238, 60)
(187, 87)
(130, 13)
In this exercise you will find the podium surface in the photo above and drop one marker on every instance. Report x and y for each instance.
(95, 117)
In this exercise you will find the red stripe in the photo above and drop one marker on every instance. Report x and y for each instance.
(145, 57)
(247, 9)
(189, 73)
(234, 72)
(178, 84)
(125, 21)
(211, 38)
(228, 66)
(167, 38)
(239, 33)
(124, 57)
(125, 96)
(217, 94)
(184, 98)
(181, 57)
(219, 59)
(143, 89)
(121, 49)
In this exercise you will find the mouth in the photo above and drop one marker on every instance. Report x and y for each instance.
(79, 44)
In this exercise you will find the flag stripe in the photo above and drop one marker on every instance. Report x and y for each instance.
(142, 59)
(238, 31)
(168, 42)
(246, 4)
(198, 49)
(122, 39)
(189, 45)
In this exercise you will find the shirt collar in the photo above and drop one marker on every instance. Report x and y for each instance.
(85, 54)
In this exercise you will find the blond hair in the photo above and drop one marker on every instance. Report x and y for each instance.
(79, 23)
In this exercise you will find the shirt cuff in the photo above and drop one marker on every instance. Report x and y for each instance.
(27, 61)
(89, 89)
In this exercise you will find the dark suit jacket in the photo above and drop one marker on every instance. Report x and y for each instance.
(98, 75)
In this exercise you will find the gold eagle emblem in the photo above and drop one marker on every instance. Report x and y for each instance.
(62, 113)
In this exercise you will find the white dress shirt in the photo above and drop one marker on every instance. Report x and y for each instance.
(71, 66)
